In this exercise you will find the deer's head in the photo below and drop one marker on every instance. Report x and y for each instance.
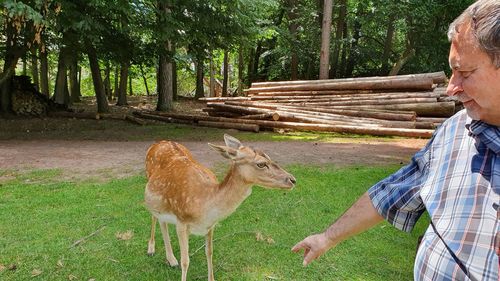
(254, 166)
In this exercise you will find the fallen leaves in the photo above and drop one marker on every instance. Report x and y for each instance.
(261, 237)
(36, 272)
(124, 235)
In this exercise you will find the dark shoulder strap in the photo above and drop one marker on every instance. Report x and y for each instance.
(457, 260)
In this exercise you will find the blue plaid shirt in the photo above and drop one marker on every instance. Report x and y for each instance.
(456, 178)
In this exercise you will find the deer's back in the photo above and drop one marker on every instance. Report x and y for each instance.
(177, 183)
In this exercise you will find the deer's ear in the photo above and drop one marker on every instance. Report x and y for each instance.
(232, 141)
(225, 151)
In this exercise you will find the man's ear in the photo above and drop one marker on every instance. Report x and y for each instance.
(232, 141)
(225, 151)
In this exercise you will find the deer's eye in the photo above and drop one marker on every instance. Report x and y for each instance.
(262, 165)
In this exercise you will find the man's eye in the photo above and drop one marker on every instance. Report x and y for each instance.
(465, 73)
(262, 165)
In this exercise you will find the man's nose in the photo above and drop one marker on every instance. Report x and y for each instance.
(454, 85)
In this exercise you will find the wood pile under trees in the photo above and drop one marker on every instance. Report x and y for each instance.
(406, 105)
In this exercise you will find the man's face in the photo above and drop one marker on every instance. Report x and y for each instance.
(475, 80)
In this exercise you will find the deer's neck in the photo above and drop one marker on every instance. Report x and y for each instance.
(233, 190)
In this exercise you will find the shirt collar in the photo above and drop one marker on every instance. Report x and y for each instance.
(487, 134)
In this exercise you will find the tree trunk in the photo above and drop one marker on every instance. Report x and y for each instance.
(122, 88)
(225, 75)
(388, 45)
(292, 28)
(34, 68)
(102, 101)
(251, 57)
(199, 78)
(212, 77)
(107, 81)
(131, 92)
(116, 91)
(240, 70)
(44, 70)
(144, 79)
(325, 40)
(353, 54)
(334, 60)
(61, 86)
(164, 84)
(73, 79)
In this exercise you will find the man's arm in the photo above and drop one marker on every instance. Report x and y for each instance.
(361, 216)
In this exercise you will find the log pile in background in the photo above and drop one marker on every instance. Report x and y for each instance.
(406, 105)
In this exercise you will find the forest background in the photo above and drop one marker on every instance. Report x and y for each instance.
(111, 49)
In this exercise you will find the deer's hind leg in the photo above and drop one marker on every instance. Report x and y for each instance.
(168, 247)
(151, 243)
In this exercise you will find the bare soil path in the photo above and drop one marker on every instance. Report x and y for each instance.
(107, 159)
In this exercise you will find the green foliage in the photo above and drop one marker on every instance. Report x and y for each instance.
(37, 238)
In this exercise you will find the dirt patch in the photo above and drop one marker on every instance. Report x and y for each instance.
(107, 159)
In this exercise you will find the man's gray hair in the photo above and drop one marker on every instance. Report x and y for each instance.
(484, 19)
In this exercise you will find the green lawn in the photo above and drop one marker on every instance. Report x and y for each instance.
(41, 217)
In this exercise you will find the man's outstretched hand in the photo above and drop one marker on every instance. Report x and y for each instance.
(314, 246)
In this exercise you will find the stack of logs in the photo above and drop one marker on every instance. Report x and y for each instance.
(406, 105)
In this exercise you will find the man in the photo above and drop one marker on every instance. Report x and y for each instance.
(456, 177)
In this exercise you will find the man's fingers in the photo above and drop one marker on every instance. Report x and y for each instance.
(299, 246)
(309, 257)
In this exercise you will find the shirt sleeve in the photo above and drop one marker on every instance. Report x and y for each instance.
(397, 197)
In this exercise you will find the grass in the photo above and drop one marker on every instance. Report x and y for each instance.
(41, 217)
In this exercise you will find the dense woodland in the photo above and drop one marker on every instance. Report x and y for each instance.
(110, 49)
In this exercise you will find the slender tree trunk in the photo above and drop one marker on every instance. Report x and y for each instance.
(240, 71)
(44, 70)
(122, 88)
(73, 79)
(131, 91)
(34, 68)
(225, 75)
(144, 79)
(256, 60)
(325, 40)
(212, 77)
(117, 81)
(334, 60)
(102, 101)
(199, 78)
(107, 81)
(292, 28)
(388, 45)
(251, 57)
(164, 75)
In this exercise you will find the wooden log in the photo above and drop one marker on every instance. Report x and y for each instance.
(270, 115)
(414, 84)
(318, 98)
(310, 92)
(431, 119)
(437, 78)
(296, 125)
(367, 102)
(230, 125)
(438, 109)
(376, 114)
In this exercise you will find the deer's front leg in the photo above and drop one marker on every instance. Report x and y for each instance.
(151, 243)
(183, 235)
(208, 252)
